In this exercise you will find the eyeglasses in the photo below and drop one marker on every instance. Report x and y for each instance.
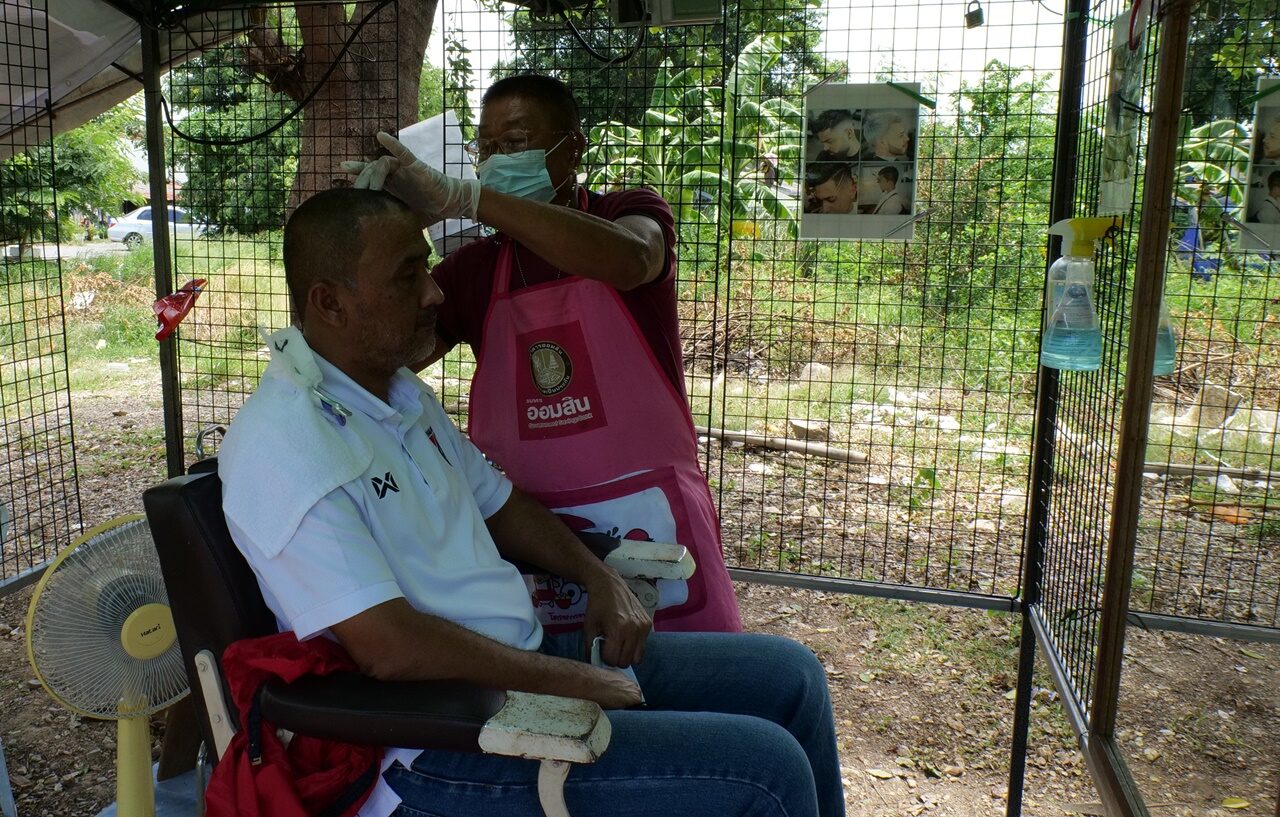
(509, 143)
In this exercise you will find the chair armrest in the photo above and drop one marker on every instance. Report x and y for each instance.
(449, 715)
(547, 727)
(355, 708)
(635, 559)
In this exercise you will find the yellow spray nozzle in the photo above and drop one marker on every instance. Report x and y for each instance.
(1080, 234)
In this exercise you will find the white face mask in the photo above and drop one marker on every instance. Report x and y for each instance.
(522, 174)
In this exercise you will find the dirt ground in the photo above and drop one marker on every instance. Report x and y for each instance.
(923, 695)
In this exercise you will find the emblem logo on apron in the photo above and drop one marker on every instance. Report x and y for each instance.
(552, 369)
(556, 394)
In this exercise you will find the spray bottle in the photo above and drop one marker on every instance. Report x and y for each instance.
(1166, 343)
(1072, 338)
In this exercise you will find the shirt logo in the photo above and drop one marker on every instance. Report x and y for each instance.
(552, 369)
(384, 484)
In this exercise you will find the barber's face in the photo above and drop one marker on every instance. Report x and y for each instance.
(514, 121)
(392, 311)
(837, 195)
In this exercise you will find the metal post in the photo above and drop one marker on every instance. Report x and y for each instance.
(1065, 164)
(1158, 190)
(158, 176)
(7, 807)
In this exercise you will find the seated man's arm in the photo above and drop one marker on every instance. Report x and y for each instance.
(394, 642)
(333, 575)
(526, 531)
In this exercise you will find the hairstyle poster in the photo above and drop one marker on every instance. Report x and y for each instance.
(1262, 196)
(859, 159)
(1124, 112)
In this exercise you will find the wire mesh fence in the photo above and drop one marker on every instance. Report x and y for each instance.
(906, 371)
(1208, 546)
(39, 501)
(321, 75)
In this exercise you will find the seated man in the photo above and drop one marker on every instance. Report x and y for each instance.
(368, 518)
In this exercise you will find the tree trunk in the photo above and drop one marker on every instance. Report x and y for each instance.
(374, 86)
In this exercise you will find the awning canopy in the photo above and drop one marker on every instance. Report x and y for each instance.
(90, 60)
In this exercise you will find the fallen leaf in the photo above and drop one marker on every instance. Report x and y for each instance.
(880, 774)
(1235, 802)
(1232, 514)
(866, 677)
(1252, 654)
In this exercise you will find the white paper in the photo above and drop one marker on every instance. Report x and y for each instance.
(438, 143)
(1124, 113)
(860, 159)
(1262, 197)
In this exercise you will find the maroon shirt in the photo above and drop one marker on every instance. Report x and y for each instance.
(467, 279)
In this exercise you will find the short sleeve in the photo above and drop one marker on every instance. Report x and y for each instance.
(642, 201)
(330, 570)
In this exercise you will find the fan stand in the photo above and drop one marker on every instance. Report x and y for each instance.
(135, 793)
(147, 633)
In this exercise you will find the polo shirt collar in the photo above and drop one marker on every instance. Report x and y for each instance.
(405, 406)
(297, 362)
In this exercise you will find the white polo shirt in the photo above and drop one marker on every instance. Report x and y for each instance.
(411, 526)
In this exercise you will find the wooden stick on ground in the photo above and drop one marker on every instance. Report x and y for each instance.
(783, 444)
(1179, 470)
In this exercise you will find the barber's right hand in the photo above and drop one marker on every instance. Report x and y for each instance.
(425, 189)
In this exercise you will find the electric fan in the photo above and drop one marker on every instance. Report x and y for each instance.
(102, 642)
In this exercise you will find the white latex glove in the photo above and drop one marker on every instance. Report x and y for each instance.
(422, 187)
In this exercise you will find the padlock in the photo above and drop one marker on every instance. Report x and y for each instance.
(973, 17)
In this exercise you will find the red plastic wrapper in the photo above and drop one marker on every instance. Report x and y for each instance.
(172, 308)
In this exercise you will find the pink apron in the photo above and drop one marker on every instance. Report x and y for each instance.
(570, 401)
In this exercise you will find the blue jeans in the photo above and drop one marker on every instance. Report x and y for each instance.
(735, 725)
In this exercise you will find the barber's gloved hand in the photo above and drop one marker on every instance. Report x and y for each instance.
(425, 189)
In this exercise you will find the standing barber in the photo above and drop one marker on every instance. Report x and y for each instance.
(570, 310)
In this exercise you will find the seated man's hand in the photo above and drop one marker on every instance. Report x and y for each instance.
(614, 612)
(609, 688)
(427, 191)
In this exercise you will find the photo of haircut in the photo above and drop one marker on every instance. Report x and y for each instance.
(1261, 230)
(889, 136)
(860, 152)
(836, 134)
(890, 190)
(830, 187)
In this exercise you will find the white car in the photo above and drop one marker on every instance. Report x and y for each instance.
(134, 228)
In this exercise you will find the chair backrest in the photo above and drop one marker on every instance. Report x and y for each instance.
(213, 593)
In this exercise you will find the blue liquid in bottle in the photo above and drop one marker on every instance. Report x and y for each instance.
(1166, 350)
(1073, 341)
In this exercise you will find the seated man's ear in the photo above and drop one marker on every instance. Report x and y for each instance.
(325, 305)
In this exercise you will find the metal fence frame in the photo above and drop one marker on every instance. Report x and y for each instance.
(1091, 714)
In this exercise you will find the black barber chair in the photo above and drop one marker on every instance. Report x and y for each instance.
(215, 600)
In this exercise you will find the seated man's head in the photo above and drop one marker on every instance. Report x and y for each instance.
(833, 185)
(356, 265)
(530, 112)
(886, 133)
(887, 178)
(838, 134)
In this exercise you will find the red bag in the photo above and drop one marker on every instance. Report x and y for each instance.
(258, 776)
